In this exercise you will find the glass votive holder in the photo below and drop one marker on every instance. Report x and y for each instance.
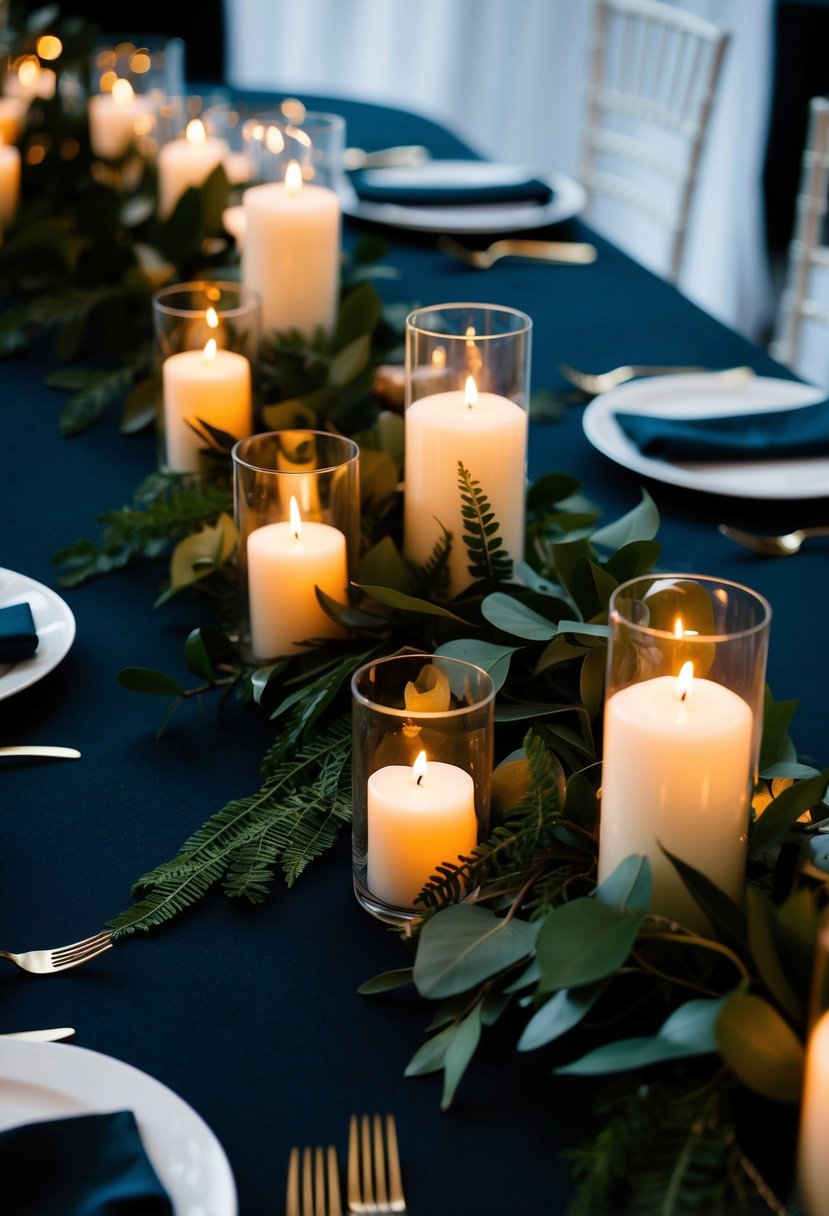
(297, 505)
(422, 774)
(813, 1160)
(186, 315)
(682, 725)
(151, 64)
(466, 403)
(315, 140)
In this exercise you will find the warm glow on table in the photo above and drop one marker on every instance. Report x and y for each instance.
(418, 817)
(211, 385)
(286, 561)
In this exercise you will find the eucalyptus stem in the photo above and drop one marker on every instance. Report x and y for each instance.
(705, 943)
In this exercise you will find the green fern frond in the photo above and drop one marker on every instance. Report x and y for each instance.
(487, 559)
(434, 573)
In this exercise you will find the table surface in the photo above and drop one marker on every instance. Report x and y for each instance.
(252, 1014)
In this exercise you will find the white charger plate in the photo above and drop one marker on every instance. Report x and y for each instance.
(704, 395)
(568, 199)
(55, 627)
(41, 1081)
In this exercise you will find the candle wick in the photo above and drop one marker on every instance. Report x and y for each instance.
(683, 695)
(420, 778)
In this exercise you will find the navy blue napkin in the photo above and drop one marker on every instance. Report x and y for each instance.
(417, 185)
(766, 436)
(18, 637)
(90, 1165)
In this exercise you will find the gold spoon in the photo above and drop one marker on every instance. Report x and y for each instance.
(576, 252)
(772, 546)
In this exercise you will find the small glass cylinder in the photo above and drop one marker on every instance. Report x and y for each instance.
(284, 551)
(422, 774)
(467, 404)
(316, 141)
(813, 1160)
(204, 386)
(682, 726)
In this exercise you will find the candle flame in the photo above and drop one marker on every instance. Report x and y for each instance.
(196, 133)
(678, 630)
(293, 178)
(470, 392)
(211, 318)
(274, 140)
(439, 358)
(210, 350)
(419, 767)
(122, 93)
(685, 680)
(28, 72)
(296, 519)
(470, 333)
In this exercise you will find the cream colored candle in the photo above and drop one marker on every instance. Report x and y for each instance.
(291, 253)
(30, 81)
(417, 818)
(12, 118)
(112, 119)
(488, 434)
(213, 386)
(9, 185)
(677, 772)
(233, 220)
(286, 562)
(186, 162)
(813, 1163)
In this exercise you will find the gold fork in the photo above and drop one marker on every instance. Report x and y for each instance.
(44, 962)
(371, 1188)
(310, 1198)
(538, 251)
(602, 382)
(773, 546)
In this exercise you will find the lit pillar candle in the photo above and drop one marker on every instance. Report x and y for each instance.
(112, 119)
(417, 818)
(12, 117)
(291, 253)
(30, 81)
(9, 185)
(286, 561)
(186, 162)
(676, 772)
(213, 386)
(813, 1164)
(488, 434)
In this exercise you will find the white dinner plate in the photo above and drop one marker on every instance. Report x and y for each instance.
(41, 1081)
(703, 396)
(568, 200)
(55, 627)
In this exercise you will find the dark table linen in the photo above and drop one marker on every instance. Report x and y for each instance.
(251, 1014)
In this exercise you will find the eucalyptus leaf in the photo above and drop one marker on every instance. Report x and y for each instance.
(145, 679)
(352, 619)
(507, 712)
(459, 1052)
(783, 812)
(550, 489)
(777, 716)
(494, 659)
(584, 629)
(378, 475)
(581, 804)
(690, 1031)
(431, 1055)
(760, 1047)
(350, 361)
(408, 603)
(264, 676)
(511, 616)
(642, 523)
(761, 916)
(142, 406)
(383, 566)
(358, 315)
(789, 768)
(463, 945)
(387, 981)
(591, 681)
(563, 1011)
(629, 886)
(633, 560)
(584, 941)
(726, 916)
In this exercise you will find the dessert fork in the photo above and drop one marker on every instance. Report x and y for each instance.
(371, 1187)
(44, 962)
(772, 546)
(538, 251)
(602, 382)
(309, 1199)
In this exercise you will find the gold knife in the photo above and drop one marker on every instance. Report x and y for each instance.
(42, 1036)
(32, 749)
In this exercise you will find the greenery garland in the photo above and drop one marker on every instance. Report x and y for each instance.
(518, 932)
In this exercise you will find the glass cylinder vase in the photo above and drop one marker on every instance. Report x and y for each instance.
(466, 421)
(422, 774)
(682, 726)
(297, 505)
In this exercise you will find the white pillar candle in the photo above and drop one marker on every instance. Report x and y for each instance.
(286, 561)
(291, 253)
(186, 162)
(233, 220)
(12, 117)
(112, 119)
(9, 185)
(417, 818)
(813, 1163)
(488, 434)
(213, 386)
(30, 81)
(677, 772)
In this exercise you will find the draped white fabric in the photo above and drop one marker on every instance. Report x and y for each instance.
(509, 77)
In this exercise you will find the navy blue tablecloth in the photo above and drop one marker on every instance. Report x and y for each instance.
(251, 1014)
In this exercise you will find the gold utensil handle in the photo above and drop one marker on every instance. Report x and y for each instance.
(33, 749)
(41, 1036)
(553, 251)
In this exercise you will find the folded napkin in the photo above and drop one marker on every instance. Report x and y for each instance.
(450, 183)
(766, 436)
(90, 1165)
(18, 637)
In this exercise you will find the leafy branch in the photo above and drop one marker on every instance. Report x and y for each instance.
(488, 561)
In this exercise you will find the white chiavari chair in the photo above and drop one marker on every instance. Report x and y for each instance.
(653, 76)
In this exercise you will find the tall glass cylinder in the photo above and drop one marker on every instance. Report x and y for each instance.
(467, 410)
(682, 726)
(422, 774)
(297, 505)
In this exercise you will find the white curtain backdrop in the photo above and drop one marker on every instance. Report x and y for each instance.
(508, 76)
